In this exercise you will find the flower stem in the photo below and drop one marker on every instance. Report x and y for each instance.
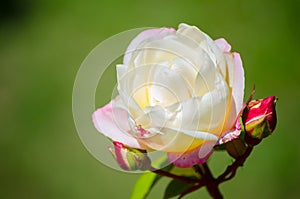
(212, 185)
(207, 179)
(176, 177)
(192, 189)
(230, 171)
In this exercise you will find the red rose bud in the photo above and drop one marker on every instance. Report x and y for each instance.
(259, 117)
(130, 159)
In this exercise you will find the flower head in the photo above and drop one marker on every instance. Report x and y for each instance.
(179, 93)
(259, 117)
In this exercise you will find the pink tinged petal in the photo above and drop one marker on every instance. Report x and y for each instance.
(238, 78)
(238, 82)
(197, 156)
(235, 131)
(223, 45)
(231, 135)
(108, 122)
(143, 36)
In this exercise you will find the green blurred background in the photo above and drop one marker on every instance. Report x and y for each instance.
(42, 44)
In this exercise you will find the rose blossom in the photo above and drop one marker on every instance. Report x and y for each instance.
(179, 92)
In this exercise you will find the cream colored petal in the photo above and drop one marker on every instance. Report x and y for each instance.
(206, 77)
(171, 141)
(204, 113)
(192, 33)
(168, 88)
(125, 92)
(197, 134)
(203, 41)
(152, 85)
(165, 49)
(236, 82)
(143, 37)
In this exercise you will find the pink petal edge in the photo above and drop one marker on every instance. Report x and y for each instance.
(223, 45)
(231, 135)
(239, 82)
(239, 79)
(105, 123)
(151, 33)
(197, 156)
(237, 90)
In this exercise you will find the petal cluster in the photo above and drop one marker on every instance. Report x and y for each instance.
(180, 92)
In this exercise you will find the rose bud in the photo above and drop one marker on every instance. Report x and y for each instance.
(130, 159)
(259, 118)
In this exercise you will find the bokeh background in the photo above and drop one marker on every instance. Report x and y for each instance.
(42, 44)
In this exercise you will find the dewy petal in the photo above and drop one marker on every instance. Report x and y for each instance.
(113, 123)
(190, 158)
(142, 37)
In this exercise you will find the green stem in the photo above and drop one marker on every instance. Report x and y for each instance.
(176, 177)
(230, 171)
(207, 179)
(212, 185)
(192, 189)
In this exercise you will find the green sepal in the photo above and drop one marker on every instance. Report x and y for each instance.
(243, 131)
(236, 148)
(262, 131)
(220, 147)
